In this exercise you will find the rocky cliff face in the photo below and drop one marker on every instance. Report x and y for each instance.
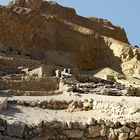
(56, 35)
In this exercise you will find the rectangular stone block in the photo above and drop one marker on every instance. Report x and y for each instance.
(3, 103)
(74, 134)
(15, 129)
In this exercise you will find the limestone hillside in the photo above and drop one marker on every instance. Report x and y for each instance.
(56, 35)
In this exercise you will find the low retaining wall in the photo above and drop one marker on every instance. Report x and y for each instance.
(52, 104)
(92, 129)
(43, 84)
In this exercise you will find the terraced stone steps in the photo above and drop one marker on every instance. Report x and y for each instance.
(39, 84)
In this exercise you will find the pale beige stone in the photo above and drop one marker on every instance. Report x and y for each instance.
(132, 135)
(137, 131)
(123, 136)
(111, 134)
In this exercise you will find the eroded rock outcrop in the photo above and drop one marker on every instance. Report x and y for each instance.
(56, 35)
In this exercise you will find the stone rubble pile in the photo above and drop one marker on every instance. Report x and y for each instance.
(90, 84)
(109, 108)
(85, 105)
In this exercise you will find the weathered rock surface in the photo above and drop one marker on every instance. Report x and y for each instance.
(33, 4)
(57, 35)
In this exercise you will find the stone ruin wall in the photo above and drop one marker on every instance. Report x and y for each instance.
(53, 130)
(44, 84)
(110, 108)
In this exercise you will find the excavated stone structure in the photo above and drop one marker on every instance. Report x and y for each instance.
(64, 76)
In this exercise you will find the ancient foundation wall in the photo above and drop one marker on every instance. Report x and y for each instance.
(92, 129)
(43, 84)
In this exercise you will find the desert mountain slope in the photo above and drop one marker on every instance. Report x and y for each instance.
(66, 77)
(56, 35)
